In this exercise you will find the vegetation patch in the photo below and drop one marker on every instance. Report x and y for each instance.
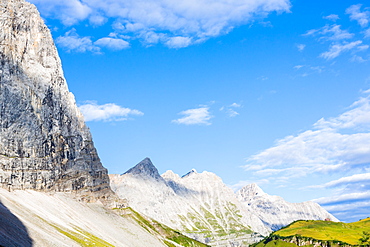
(324, 233)
(166, 234)
(82, 237)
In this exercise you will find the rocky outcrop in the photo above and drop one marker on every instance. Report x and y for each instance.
(275, 212)
(44, 142)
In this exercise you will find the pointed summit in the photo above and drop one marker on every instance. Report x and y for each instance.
(193, 171)
(250, 191)
(145, 168)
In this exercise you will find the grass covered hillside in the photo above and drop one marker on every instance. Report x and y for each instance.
(325, 232)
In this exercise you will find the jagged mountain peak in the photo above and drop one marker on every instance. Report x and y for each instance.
(170, 175)
(251, 190)
(192, 171)
(144, 168)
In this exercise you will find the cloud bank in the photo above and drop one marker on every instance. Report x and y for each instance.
(332, 145)
(170, 22)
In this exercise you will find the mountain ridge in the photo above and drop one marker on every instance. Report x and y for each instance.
(198, 204)
(275, 212)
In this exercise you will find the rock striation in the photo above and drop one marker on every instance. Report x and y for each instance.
(44, 142)
(275, 212)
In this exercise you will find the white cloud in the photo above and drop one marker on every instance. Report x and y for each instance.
(351, 197)
(106, 112)
(97, 20)
(367, 33)
(178, 42)
(330, 32)
(230, 109)
(358, 59)
(181, 23)
(68, 12)
(357, 178)
(357, 117)
(332, 17)
(112, 43)
(71, 41)
(323, 149)
(235, 105)
(232, 113)
(336, 49)
(301, 47)
(197, 116)
(355, 14)
(298, 67)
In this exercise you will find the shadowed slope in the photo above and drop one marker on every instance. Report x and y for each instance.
(12, 230)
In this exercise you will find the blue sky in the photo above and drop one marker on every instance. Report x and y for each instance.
(274, 92)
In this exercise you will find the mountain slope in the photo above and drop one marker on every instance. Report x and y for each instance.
(199, 205)
(44, 142)
(31, 218)
(275, 212)
(321, 233)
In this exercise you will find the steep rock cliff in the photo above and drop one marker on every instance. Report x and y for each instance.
(44, 142)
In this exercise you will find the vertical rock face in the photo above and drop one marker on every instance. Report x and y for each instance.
(44, 142)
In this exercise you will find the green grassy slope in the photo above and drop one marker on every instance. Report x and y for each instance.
(167, 235)
(338, 233)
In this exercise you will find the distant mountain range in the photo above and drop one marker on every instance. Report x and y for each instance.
(201, 206)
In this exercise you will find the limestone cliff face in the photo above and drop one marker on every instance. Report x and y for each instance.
(44, 142)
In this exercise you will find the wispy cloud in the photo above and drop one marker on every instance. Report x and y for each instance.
(330, 32)
(358, 59)
(339, 39)
(332, 17)
(107, 112)
(355, 14)
(306, 70)
(345, 181)
(367, 33)
(323, 149)
(346, 198)
(336, 49)
(301, 47)
(167, 21)
(336, 150)
(197, 116)
(230, 110)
